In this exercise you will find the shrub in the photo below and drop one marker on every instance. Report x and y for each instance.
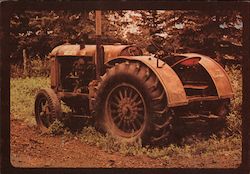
(57, 128)
(36, 67)
(234, 120)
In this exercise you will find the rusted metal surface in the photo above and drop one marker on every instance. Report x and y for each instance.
(98, 22)
(71, 94)
(53, 73)
(218, 75)
(199, 98)
(173, 86)
(170, 81)
(196, 86)
(110, 51)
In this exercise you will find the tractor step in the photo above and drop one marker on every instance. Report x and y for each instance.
(202, 98)
(81, 116)
(73, 115)
(200, 117)
(195, 87)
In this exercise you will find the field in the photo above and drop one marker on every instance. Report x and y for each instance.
(89, 148)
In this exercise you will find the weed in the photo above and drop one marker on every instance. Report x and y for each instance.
(22, 97)
(234, 119)
(57, 128)
(200, 147)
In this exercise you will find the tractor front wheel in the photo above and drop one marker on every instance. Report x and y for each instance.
(47, 108)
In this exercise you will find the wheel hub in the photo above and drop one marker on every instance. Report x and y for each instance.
(44, 112)
(126, 109)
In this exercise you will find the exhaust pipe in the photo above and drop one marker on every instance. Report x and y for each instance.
(99, 57)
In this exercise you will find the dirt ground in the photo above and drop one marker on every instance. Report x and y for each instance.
(29, 148)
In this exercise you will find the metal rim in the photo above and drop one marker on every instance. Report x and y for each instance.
(43, 112)
(126, 110)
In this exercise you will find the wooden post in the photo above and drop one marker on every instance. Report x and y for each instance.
(25, 62)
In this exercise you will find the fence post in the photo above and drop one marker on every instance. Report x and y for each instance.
(25, 62)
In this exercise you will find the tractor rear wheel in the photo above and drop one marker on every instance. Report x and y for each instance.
(47, 108)
(131, 105)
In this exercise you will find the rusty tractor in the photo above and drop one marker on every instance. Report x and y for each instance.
(130, 95)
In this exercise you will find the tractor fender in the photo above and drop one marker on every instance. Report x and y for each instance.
(217, 74)
(175, 93)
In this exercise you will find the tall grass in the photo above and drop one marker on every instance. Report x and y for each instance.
(234, 119)
(22, 96)
(199, 147)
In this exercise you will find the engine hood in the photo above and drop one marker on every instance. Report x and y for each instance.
(110, 51)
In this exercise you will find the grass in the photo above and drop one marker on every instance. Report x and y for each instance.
(23, 91)
(22, 97)
(201, 147)
(234, 118)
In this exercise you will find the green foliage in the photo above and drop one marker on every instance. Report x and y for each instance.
(35, 68)
(22, 96)
(214, 34)
(234, 120)
(39, 32)
(201, 147)
(235, 75)
(57, 128)
(217, 34)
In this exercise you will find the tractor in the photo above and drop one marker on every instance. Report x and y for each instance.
(133, 96)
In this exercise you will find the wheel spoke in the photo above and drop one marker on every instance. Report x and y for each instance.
(134, 126)
(120, 95)
(140, 109)
(124, 125)
(130, 93)
(125, 93)
(136, 96)
(114, 112)
(138, 103)
(140, 117)
(42, 106)
(47, 110)
(128, 127)
(119, 123)
(115, 117)
(138, 121)
(114, 104)
(117, 98)
(46, 104)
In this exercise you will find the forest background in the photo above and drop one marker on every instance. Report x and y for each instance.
(34, 34)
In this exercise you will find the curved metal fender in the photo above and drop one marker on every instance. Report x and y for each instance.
(217, 73)
(170, 81)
